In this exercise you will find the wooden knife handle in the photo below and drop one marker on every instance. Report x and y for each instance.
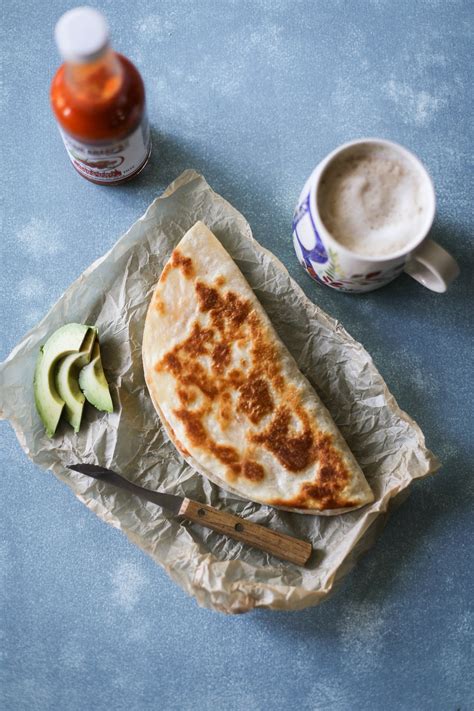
(278, 544)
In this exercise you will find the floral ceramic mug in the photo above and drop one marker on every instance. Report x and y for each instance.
(331, 263)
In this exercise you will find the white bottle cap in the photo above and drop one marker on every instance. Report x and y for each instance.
(81, 34)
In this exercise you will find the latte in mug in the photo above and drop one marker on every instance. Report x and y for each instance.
(363, 217)
(372, 199)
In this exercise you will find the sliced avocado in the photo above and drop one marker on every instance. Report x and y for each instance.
(93, 383)
(66, 380)
(65, 340)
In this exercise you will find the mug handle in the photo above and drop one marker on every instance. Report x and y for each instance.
(432, 266)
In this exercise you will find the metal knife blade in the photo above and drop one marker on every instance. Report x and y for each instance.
(166, 501)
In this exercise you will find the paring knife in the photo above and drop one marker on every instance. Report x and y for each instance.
(278, 544)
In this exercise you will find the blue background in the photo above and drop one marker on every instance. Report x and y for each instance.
(253, 95)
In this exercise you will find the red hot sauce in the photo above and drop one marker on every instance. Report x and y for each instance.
(98, 99)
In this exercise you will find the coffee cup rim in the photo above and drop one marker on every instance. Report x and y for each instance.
(430, 193)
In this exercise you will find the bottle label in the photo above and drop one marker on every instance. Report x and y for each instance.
(111, 161)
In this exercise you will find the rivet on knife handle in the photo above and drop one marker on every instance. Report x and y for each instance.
(278, 544)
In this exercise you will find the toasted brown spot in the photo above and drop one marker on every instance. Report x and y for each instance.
(224, 414)
(165, 272)
(208, 297)
(182, 364)
(201, 380)
(235, 309)
(294, 451)
(255, 399)
(159, 306)
(265, 353)
(193, 426)
(171, 363)
(200, 438)
(184, 263)
(332, 479)
(253, 471)
(186, 396)
(226, 454)
(220, 281)
(228, 311)
(198, 341)
(233, 472)
(235, 378)
(221, 357)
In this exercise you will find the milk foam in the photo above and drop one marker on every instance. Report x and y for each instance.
(372, 200)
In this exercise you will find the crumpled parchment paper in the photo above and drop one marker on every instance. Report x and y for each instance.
(114, 293)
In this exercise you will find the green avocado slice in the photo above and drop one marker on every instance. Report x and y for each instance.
(65, 340)
(66, 380)
(93, 382)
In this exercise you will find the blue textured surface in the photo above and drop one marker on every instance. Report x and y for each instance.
(252, 94)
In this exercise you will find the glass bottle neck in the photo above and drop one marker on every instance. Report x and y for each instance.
(95, 81)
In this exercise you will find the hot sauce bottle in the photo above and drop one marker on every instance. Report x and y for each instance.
(98, 99)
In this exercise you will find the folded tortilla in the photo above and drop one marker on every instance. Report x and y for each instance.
(230, 395)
